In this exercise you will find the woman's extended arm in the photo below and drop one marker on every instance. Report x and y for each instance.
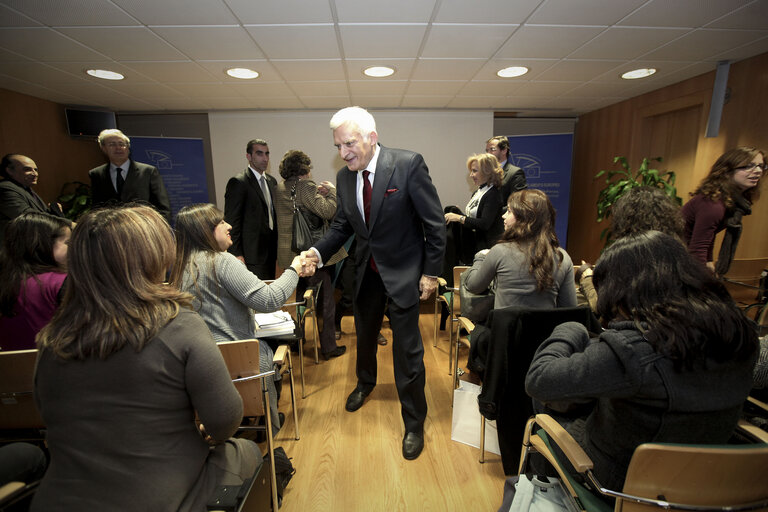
(249, 289)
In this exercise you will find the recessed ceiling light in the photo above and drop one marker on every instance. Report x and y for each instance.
(638, 73)
(105, 74)
(378, 71)
(244, 73)
(512, 71)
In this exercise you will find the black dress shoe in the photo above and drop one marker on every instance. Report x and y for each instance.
(335, 352)
(356, 399)
(412, 445)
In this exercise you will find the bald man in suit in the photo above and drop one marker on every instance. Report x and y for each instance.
(387, 199)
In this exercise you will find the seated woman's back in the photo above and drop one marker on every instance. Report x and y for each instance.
(529, 268)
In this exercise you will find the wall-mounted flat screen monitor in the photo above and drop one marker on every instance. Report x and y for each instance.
(88, 123)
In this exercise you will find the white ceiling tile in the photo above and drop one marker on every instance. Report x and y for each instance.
(751, 16)
(79, 69)
(310, 69)
(490, 87)
(145, 90)
(223, 103)
(702, 44)
(45, 44)
(415, 101)
(259, 90)
(569, 70)
(436, 87)
(626, 43)
(446, 69)
(598, 90)
(478, 102)
(296, 41)
(377, 101)
(382, 86)
(12, 18)
(286, 102)
(281, 11)
(135, 105)
(184, 104)
(31, 88)
(485, 11)
(680, 13)
(546, 42)
(37, 73)
(403, 68)
(171, 71)
(544, 89)
(528, 101)
(450, 41)
(203, 90)
(9, 56)
(326, 88)
(662, 68)
(211, 43)
(218, 68)
(375, 41)
(73, 12)
(124, 43)
(92, 91)
(535, 68)
(178, 12)
(745, 51)
(584, 12)
(391, 11)
(325, 102)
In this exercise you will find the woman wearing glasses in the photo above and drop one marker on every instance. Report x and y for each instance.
(722, 198)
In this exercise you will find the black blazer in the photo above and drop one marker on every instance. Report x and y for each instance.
(488, 225)
(15, 200)
(512, 181)
(406, 235)
(143, 184)
(246, 210)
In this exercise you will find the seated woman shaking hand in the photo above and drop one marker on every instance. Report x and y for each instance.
(225, 292)
(122, 368)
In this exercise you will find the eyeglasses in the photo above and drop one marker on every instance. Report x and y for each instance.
(751, 166)
(116, 145)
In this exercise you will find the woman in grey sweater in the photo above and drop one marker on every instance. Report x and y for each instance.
(528, 265)
(225, 292)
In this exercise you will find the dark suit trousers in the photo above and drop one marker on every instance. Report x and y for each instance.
(266, 270)
(407, 348)
(325, 304)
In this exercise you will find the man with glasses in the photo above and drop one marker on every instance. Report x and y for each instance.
(514, 177)
(124, 180)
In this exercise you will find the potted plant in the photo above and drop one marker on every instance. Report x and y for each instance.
(75, 199)
(619, 181)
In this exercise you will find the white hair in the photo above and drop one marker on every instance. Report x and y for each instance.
(357, 117)
(105, 134)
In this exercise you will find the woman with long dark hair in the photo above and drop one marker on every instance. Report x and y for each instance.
(674, 364)
(528, 265)
(123, 368)
(33, 263)
(720, 202)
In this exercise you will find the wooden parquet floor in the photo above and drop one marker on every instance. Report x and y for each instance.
(353, 461)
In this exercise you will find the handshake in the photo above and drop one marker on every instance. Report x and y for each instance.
(305, 264)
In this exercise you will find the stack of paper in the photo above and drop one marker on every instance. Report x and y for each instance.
(278, 323)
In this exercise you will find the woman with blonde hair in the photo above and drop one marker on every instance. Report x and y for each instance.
(123, 368)
(529, 267)
(481, 222)
(722, 198)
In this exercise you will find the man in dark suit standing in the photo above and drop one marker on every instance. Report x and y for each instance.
(514, 177)
(19, 174)
(124, 180)
(249, 208)
(387, 199)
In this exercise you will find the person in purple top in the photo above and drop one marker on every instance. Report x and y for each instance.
(33, 263)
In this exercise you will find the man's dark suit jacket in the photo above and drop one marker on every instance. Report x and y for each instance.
(246, 210)
(15, 200)
(143, 184)
(406, 235)
(512, 181)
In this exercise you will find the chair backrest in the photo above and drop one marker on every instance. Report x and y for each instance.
(743, 279)
(17, 404)
(697, 475)
(242, 359)
(457, 271)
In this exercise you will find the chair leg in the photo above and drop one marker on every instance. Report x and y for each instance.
(270, 444)
(293, 396)
(450, 341)
(482, 439)
(301, 363)
(315, 335)
(434, 340)
(456, 359)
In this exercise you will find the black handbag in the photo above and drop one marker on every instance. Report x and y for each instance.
(308, 228)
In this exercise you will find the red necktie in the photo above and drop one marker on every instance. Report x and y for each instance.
(367, 191)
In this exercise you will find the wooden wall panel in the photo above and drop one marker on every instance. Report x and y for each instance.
(37, 128)
(627, 129)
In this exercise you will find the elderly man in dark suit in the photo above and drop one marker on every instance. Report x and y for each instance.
(387, 199)
(514, 177)
(16, 193)
(124, 180)
(250, 209)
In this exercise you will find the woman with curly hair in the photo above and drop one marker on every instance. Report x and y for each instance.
(318, 205)
(528, 265)
(674, 364)
(123, 369)
(722, 198)
(481, 224)
(33, 264)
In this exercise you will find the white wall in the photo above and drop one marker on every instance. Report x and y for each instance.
(445, 139)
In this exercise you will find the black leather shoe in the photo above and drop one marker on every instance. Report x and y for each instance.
(412, 445)
(335, 352)
(356, 399)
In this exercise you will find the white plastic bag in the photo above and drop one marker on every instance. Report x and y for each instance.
(465, 426)
(534, 495)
